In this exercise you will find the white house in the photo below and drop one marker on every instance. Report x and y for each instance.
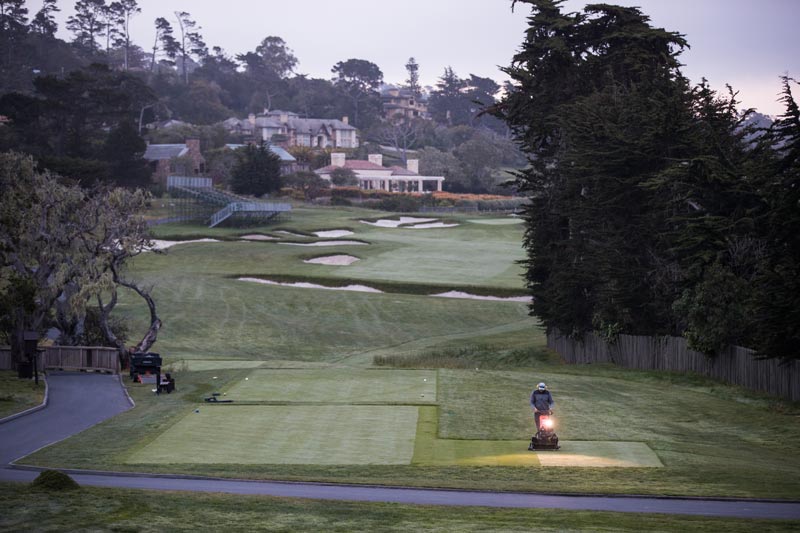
(372, 174)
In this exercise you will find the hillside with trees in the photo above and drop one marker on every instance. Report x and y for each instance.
(83, 107)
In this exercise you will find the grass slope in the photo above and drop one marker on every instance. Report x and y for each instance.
(106, 509)
(713, 440)
(17, 395)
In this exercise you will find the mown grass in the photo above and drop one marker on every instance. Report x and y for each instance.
(715, 454)
(95, 509)
(216, 317)
(468, 255)
(17, 395)
(714, 440)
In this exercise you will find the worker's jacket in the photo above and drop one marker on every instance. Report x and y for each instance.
(542, 400)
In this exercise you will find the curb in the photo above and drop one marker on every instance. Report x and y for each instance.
(125, 390)
(32, 409)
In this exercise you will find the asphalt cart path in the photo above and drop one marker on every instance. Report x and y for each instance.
(75, 401)
(79, 401)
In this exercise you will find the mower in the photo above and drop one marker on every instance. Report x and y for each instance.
(545, 438)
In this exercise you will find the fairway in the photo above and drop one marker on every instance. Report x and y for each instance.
(219, 364)
(323, 435)
(338, 385)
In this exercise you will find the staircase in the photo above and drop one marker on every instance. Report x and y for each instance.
(201, 189)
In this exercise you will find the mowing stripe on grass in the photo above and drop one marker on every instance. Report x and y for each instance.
(430, 450)
(217, 364)
(342, 385)
(322, 435)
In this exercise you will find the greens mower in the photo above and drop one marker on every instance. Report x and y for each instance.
(545, 438)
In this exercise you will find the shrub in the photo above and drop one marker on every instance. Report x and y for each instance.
(340, 201)
(400, 203)
(53, 480)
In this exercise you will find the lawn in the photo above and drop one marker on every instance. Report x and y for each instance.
(282, 434)
(17, 395)
(106, 509)
(211, 314)
(297, 353)
(338, 385)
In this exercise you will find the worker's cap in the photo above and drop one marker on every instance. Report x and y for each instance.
(541, 386)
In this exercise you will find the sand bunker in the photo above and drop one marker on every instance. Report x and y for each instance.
(336, 260)
(333, 233)
(258, 238)
(326, 243)
(163, 245)
(466, 295)
(304, 285)
(432, 225)
(388, 223)
(291, 233)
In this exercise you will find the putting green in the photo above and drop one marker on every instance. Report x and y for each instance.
(322, 435)
(337, 385)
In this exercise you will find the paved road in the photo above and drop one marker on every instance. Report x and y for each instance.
(76, 401)
(69, 412)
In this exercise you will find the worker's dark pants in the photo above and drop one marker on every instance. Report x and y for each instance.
(536, 416)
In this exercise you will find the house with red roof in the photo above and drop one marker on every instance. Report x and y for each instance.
(372, 174)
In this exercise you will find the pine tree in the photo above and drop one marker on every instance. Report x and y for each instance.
(87, 24)
(44, 22)
(776, 317)
(257, 172)
(594, 97)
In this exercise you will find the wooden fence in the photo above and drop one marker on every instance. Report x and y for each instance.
(70, 358)
(735, 365)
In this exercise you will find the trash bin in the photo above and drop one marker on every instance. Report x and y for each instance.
(25, 370)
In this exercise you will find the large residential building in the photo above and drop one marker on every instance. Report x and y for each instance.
(402, 104)
(288, 129)
(371, 174)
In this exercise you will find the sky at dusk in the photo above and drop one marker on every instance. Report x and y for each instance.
(745, 43)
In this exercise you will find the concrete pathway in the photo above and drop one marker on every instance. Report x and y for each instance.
(78, 401)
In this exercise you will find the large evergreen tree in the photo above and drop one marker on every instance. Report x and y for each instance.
(776, 316)
(257, 172)
(596, 101)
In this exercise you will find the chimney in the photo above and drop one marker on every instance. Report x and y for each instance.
(376, 158)
(193, 145)
(413, 165)
(346, 120)
(337, 159)
(251, 118)
(284, 118)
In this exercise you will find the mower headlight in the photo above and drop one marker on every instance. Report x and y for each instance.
(547, 423)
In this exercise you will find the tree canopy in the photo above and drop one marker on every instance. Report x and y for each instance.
(649, 209)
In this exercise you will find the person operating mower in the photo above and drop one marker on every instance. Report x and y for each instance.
(542, 403)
